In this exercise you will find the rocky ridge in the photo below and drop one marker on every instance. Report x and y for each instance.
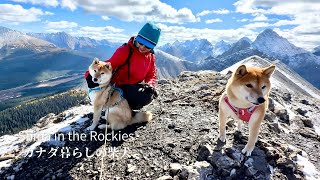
(181, 141)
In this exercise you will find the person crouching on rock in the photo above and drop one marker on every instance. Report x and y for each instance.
(134, 67)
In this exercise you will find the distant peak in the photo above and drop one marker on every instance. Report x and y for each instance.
(4, 29)
(246, 39)
(269, 32)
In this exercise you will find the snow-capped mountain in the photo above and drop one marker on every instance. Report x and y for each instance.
(190, 50)
(11, 39)
(243, 44)
(28, 60)
(65, 40)
(316, 51)
(61, 39)
(238, 51)
(102, 49)
(271, 44)
(169, 66)
(303, 62)
(220, 47)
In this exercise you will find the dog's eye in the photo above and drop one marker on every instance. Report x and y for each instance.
(95, 71)
(263, 87)
(249, 85)
(102, 73)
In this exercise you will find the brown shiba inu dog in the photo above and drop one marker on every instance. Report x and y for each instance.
(246, 98)
(107, 96)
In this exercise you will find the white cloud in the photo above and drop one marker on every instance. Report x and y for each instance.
(60, 25)
(243, 20)
(70, 4)
(108, 32)
(106, 18)
(53, 3)
(257, 25)
(170, 34)
(137, 10)
(260, 17)
(219, 11)
(16, 14)
(210, 21)
(106, 29)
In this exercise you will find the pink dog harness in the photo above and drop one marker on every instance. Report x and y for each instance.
(243, 114)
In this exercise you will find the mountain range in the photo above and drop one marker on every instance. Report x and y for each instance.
(267, 44)
(172, 59)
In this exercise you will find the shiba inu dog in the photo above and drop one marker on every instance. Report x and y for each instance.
(107, 96)
(246, 98)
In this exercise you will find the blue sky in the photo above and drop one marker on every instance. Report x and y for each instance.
(215, 20)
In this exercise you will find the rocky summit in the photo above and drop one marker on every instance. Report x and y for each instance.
(179, 143)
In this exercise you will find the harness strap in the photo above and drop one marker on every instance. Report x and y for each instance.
(126, 62)
(243, 114)
(121, 95)
(94, 89)
(111, 91)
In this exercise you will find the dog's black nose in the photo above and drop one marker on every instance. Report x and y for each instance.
(261, 100)
(95, 79)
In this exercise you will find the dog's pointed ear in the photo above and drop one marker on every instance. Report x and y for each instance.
(95, 61)
(268, 71)
(241, 71)
(108, 66)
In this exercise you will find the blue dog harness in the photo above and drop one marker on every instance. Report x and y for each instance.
(113, 89)
(94, 89)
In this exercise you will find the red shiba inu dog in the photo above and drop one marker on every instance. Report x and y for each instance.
(107, 96)
(246, 99)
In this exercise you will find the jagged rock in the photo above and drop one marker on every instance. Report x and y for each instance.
(286, 97)
(306, 102)
(165, 178)
(60, 117)
(42, 122)
(164, 81)
(275, 127)
(301, 111)
(223, 163)
(307, 123)
(308, 133)
(130, 168)
(257, 167)
(174, 169)
(198, 170)
(271, 106)
(270, 116)
(283, 115)
(204, 151)
(286, 165)
(236, 155)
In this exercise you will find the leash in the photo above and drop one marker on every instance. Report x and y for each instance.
(105, 138)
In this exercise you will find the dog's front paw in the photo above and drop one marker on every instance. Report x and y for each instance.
(247, 150)
(102, 126)
(222, 138)
(91, 128)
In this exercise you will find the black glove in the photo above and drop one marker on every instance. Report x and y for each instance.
(151, 90)
(90, 83)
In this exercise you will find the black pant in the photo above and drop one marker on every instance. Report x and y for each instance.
(137, 95)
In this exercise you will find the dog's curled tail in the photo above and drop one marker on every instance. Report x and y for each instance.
(141, 117)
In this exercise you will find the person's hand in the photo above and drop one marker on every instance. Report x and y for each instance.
(151, 90)
(90, 83)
